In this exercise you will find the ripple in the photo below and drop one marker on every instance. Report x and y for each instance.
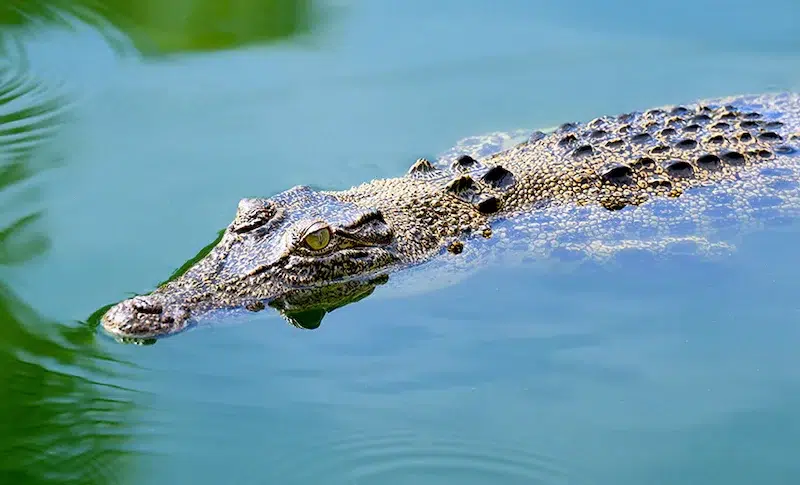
(30, 111)
(362, 458)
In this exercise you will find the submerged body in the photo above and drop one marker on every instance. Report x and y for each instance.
(647, 180)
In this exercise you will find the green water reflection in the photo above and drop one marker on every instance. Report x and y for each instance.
(62, 418)
(168, 27)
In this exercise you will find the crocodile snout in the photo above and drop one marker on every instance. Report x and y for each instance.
(145, 316)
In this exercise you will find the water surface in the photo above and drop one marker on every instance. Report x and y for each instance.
(142, 143)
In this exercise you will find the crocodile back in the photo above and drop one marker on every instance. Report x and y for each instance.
(704, 175)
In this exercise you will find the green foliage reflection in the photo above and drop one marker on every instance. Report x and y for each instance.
(175, 26)
(61, 418)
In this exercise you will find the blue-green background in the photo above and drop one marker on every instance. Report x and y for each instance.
(685, 372)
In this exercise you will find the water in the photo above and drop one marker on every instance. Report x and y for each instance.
(679, 371)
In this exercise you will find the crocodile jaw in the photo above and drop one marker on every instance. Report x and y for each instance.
(146, 316)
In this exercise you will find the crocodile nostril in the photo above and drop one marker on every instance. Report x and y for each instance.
(146, 316)
(146, 305)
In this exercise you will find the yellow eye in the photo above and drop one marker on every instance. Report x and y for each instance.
(318, 239)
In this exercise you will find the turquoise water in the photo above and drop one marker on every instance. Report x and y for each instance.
(682, 371)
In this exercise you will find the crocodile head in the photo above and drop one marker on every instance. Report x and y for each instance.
(298, 240)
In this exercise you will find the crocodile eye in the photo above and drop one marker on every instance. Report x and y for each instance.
(319, 238)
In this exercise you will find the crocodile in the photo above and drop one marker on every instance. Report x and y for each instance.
(647, 180)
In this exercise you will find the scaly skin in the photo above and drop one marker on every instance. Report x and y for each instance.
(626, 163)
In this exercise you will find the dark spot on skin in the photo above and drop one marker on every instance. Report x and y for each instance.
(659, 183)
(675, 122)
(745, 137)
(654, 112)
(709, 162)
(752, 115)
(651, 126)
(720, 126)
(640, 137)
(465, 162)
(596, 123)
(487, 232)
(728, 116)
(568, 127)
(422, 165)
(659, 150)
(583, 151)
(489, 205)
(617, 173)
(624, 129)
(734, 158)
(615, 143)
(168, 319)
(769, 136)
(667, 132)
(567, 140)
(705, 109)
(692, 128)
(455, 247)
(644, 162)
(679, 110)
(717, 139)
(599, 133)
(498, 177)
(702, 118)
(749, 124)
(536, 136)
(686, 144)
(764, 153)
(678, 168)
(460, 184)
(773, 125)
(625, 117)
(784, 149)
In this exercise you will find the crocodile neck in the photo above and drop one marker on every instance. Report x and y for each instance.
(428, 213)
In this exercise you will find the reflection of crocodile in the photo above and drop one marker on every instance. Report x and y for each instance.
(641, 180)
